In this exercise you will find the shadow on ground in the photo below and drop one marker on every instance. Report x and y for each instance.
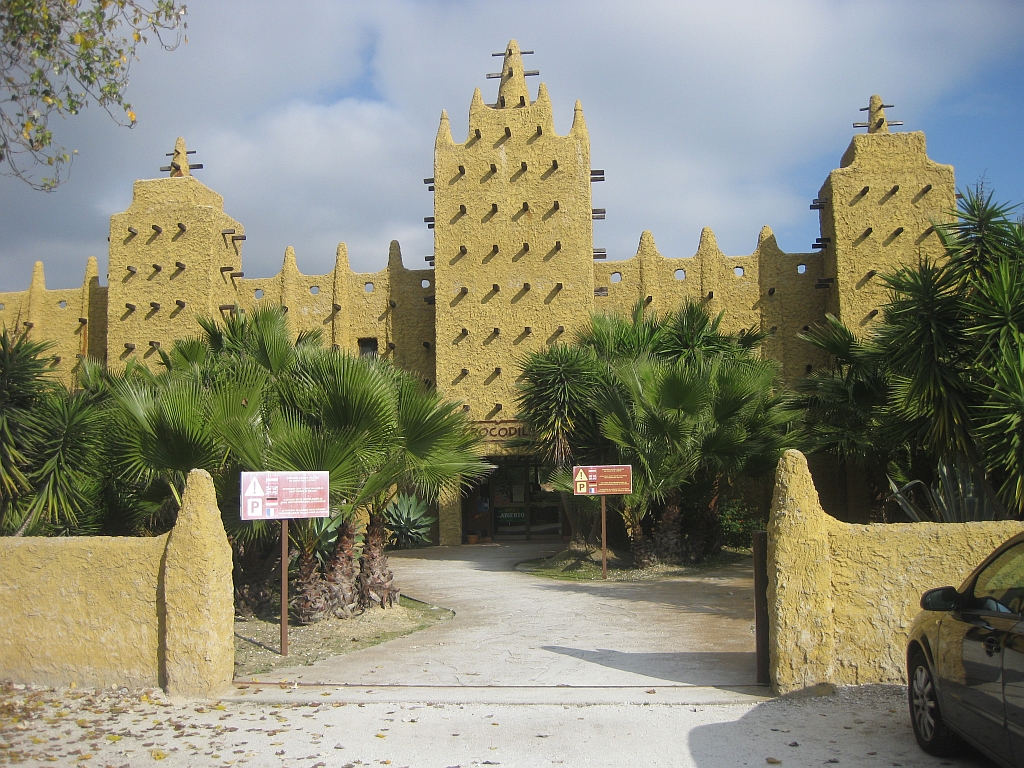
(727, 593)
(485, 557)
(693, 668)
(866, 725)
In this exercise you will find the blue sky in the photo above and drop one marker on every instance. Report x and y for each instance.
(317, 125)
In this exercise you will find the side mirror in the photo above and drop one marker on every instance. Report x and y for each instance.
(941, 599)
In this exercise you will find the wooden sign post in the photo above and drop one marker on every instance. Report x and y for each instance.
(603, 480)
(282, 496)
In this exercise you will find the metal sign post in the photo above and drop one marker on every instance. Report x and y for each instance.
(284, 587)
(281, 496)
(603, 480)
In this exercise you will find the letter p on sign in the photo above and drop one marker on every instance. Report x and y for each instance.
(254, 508)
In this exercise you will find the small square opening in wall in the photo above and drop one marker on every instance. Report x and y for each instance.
(2, 306)
(616, 277)
(368, 287)
(258, 293)
(680, 274)
(62, 304)
(424, 283)
(801, 268)
(368, 347)
(738, 271)
(314, 289)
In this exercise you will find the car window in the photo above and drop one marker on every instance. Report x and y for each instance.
(999, 588)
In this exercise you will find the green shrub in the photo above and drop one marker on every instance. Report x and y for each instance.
(739, 522)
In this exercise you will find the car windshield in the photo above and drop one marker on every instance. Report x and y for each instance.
(999, 588)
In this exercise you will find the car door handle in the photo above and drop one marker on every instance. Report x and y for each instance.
(991, 646)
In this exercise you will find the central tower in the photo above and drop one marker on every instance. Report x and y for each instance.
(513, 241)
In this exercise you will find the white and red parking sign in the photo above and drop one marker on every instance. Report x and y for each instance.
(285, 495)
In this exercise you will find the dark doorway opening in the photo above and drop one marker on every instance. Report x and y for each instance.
(513, 504)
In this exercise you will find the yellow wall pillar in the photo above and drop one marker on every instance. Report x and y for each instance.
(449, 513)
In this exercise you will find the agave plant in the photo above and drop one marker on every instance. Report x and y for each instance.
(407, 521)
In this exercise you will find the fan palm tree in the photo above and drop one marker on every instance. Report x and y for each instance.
(52, 446)
(691, 424)
(688, 406)
(405, 437)
(432, 450)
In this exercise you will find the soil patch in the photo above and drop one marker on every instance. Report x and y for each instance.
(258, 640)
(579, 565)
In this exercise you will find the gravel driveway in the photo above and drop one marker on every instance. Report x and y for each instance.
(521, 632)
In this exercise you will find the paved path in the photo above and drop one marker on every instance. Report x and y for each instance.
(527, 635)
(611, 675)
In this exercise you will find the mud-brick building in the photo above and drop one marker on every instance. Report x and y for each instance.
(514, 268)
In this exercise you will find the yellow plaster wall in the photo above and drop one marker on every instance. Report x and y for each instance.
(150, 272)
(841, 597)
(479, 249)
(129, 611)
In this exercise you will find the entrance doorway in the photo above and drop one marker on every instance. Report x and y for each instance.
(511, 504)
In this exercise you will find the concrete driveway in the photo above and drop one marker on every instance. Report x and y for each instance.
(526, 639)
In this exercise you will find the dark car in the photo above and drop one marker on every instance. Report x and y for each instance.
(965, 661)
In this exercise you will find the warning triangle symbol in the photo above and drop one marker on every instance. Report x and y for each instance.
(581, 475)
(254, 488)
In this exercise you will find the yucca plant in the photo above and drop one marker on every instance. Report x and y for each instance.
(24, 382)
(960, 494)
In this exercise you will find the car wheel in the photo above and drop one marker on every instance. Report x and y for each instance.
(933, 736)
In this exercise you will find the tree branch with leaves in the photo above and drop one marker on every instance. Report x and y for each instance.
(57, 57)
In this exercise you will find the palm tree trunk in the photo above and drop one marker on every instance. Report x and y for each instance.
(578, 537)
(640, 547)
(376, 581)
(594, 537)
(703, 531)
(313, 595)
(341, 572)
(666, 536)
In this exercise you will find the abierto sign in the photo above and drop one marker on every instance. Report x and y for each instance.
(285, 495)
(602, 480)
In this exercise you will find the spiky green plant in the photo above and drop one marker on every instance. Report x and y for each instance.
(407, 521)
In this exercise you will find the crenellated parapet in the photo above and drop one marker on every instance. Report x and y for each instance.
(513, 269)
(73, 320)
(769, 289)
(389, 313)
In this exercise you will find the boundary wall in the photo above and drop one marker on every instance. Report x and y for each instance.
(101, 610)
(841, 597)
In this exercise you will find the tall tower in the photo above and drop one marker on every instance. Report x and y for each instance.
(174, 254)
(877, 214)
(513, 241)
